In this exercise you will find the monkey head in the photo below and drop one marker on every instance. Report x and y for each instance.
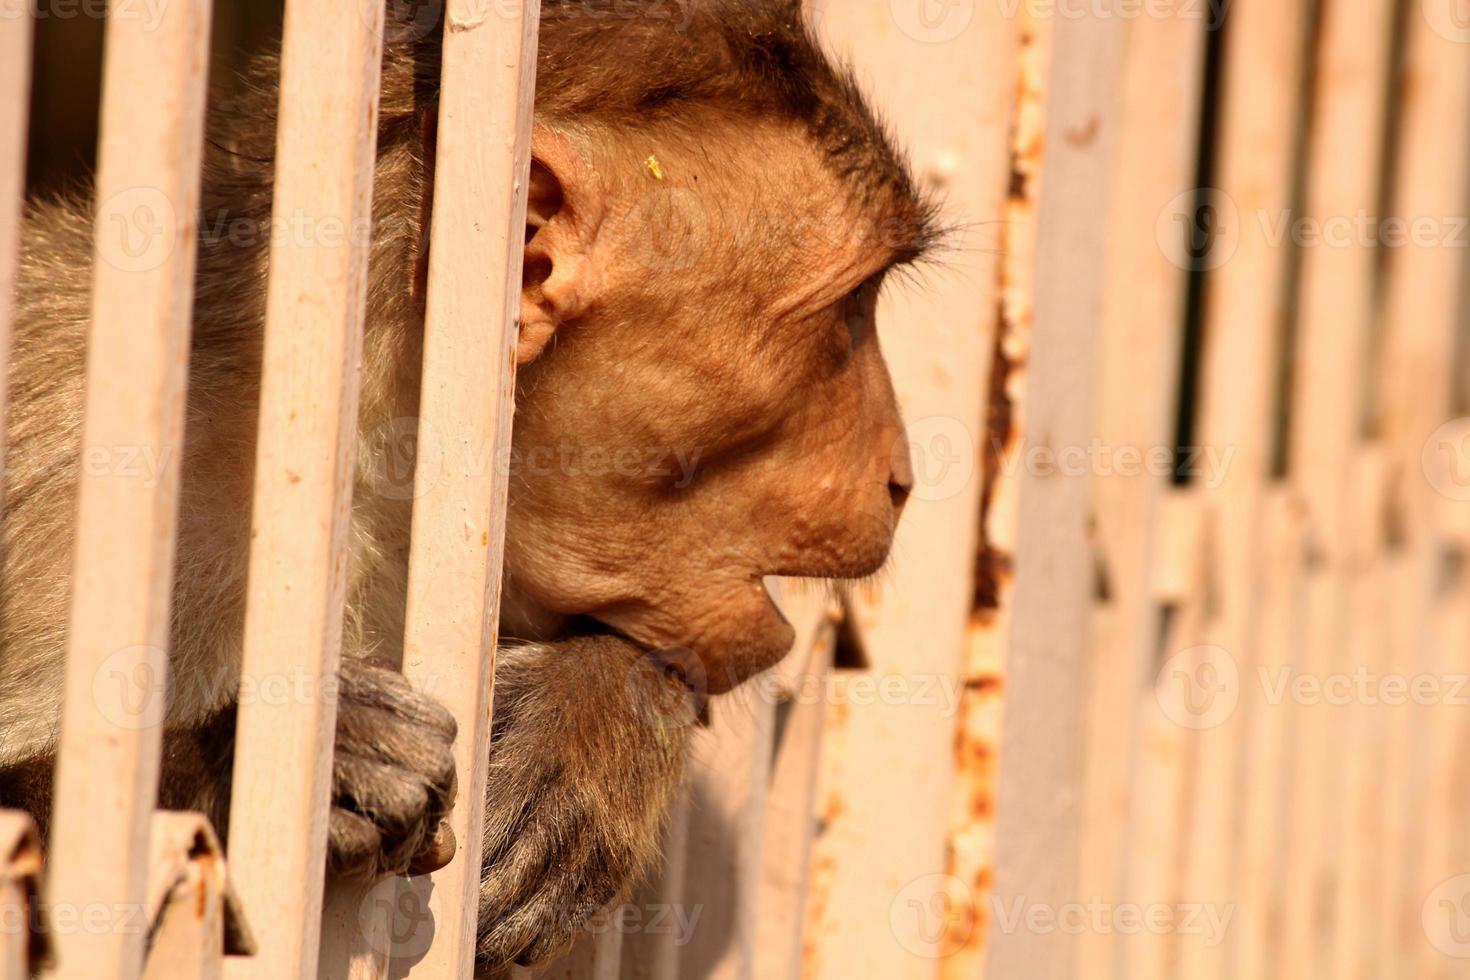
(702, 401)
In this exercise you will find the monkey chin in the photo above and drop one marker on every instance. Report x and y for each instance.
(715, 642)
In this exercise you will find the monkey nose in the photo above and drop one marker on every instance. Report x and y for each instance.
(899, 493)
(900, 474)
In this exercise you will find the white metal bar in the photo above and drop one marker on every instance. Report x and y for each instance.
(732, 768)
(15, 82)
(147, 196)
(193, 917)
(325, 146)
(1423, 293)
(1039, 819)
(791, 818)
(1260, 113)
(480, 182)
(1138, 366)
(937, 342)
(1349, 113)
(648, 955)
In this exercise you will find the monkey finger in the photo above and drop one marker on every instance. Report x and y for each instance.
(353, 845)
(370, 683)
(438, 853)
(380, 735)
(397, 803)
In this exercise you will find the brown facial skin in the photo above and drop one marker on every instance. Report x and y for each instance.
(681, 435)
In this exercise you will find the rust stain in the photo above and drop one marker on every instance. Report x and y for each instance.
(1084, 135)
(977, 738)
(992, 565)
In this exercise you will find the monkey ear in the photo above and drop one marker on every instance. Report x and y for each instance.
(564, 205)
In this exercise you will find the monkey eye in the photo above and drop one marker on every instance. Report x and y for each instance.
(857, 311)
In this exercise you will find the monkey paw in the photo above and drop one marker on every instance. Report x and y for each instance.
(590, 746)
(393, 778)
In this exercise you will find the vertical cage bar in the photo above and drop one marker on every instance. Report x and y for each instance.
(1039, 817)
(15, 82)
(1142, 321)
(1247, 288)
(325, 143)
(147, 195)
(480, 184)
(1325, 407)
(871, 892)
(1422, 297)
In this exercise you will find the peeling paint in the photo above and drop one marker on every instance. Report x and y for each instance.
(977, 740)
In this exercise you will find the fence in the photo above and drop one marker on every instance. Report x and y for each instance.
(1166, 678)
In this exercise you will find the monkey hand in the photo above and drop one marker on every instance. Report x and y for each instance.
(393, 778)
(590, 745)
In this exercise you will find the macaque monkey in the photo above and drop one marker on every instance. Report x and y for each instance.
(701, 404)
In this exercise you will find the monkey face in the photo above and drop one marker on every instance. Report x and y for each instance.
(713, 407)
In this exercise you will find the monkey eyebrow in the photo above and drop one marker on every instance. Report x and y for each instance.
(833, 287)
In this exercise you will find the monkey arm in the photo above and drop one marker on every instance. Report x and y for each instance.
(590, 748)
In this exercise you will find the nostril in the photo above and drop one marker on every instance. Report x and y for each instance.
(899, 492)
